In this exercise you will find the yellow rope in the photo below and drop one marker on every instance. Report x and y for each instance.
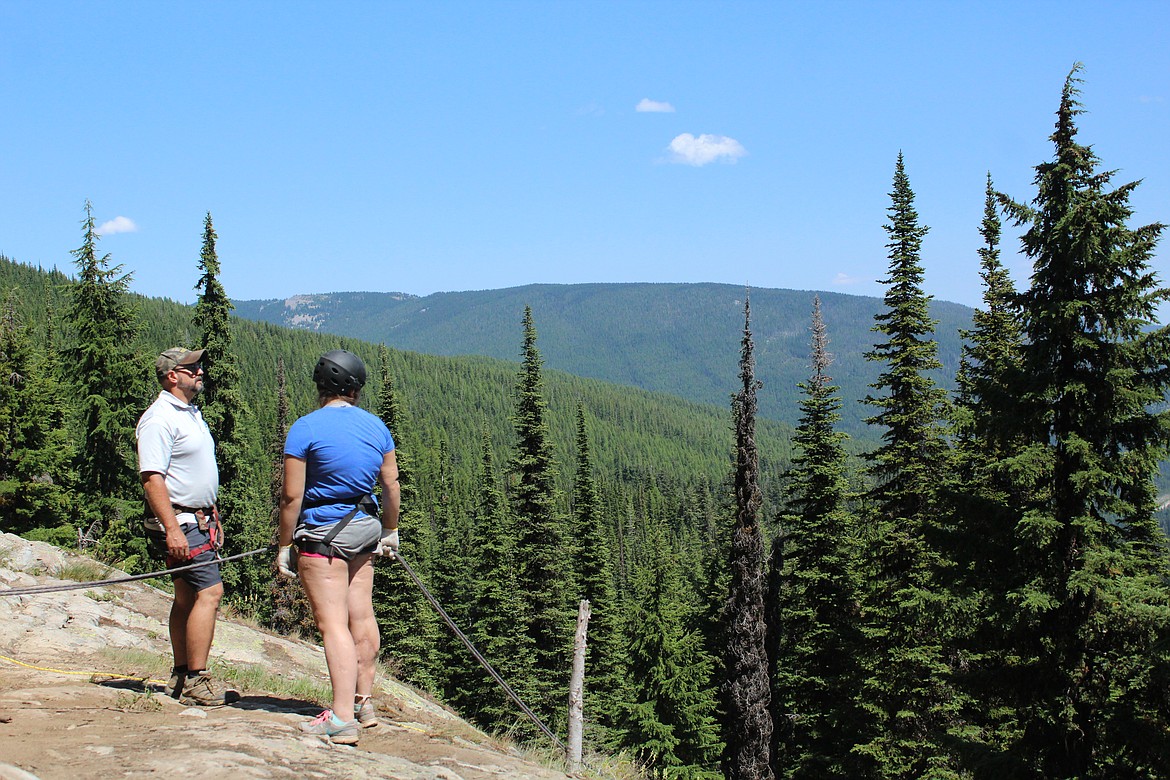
(91, 675)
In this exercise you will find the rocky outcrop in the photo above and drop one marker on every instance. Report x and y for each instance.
(80, 697)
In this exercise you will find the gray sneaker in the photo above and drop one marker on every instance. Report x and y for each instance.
(201, 692)
(336, 731)
(365, 711)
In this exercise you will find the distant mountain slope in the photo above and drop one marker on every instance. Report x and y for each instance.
(447, 398)
(682, 339)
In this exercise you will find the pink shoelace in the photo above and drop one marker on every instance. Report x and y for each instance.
(324, 716)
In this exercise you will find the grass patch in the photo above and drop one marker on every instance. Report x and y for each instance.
(243, 677)
(81, 570)
(138, 663)
(129, 701)
(253, 677)
(101, 595)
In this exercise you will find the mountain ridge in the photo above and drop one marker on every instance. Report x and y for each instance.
(678, 338)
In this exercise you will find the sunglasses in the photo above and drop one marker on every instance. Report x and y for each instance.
(192, 368)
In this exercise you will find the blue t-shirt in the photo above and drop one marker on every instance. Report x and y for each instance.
(343, 448)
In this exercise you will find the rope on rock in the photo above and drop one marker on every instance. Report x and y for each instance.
(37, 589)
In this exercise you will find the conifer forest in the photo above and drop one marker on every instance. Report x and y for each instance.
(980, 590)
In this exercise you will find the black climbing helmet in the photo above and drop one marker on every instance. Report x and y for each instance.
(339, 373)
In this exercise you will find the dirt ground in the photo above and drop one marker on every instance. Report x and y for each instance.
(58, 719)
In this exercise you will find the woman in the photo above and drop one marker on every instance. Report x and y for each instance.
(332, 457)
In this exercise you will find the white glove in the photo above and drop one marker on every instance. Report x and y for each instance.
(284, 562)
(388, 544)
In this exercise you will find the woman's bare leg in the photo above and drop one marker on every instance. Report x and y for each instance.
(363, 626)
(326, 583)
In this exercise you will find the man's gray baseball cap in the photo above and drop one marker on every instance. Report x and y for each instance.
(176, 356)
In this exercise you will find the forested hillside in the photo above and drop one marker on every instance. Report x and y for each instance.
(983, 593)
(674, 338)
(636, 433)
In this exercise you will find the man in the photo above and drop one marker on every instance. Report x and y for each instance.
(176, 461)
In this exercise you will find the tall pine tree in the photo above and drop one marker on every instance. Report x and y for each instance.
(747, 691)
(1091, 621)
(817, 592)
(541, 545)
(105, 373)
(226, 412)
(980, 537)
(907, 608)
(409, 627)
(605, 664)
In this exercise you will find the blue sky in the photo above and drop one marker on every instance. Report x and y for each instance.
(441, 146)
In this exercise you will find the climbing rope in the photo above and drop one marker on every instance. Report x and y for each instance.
(482, 661)
(37, 589)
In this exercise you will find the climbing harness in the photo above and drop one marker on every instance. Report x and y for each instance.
(208, 521)
(363, 503)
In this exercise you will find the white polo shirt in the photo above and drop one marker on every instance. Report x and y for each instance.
(174, 441)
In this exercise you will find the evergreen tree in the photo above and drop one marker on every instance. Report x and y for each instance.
(409, 627)
(670, 721)
(541, 560)
(747, 693)
(226, 412)
(1090, 626)
(981, 539)
(289, 611)
(991, 350)
(107, 379)
(495, 603)
(221, 402)
(816, 592)
(606, 678)
(36, 478)
(907, 609)
(455, 668)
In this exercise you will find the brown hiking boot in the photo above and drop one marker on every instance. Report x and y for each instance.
(200, 692)
(174, 686)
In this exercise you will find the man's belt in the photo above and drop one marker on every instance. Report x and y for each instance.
(192, 509)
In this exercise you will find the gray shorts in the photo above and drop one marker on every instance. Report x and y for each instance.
(360, 535)
(198, 578)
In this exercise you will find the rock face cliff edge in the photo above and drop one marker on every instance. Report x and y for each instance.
(80, 697)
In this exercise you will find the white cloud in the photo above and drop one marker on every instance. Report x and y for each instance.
(707, 148)
(117, 225)
(646, 105)
(843, 278)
